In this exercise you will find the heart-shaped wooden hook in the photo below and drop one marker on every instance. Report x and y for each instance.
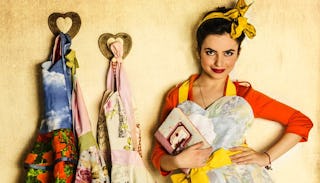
(105, 39)
(72, 29)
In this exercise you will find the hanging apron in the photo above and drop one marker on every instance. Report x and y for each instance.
(91, 166)
(117, 134)
(54, 155)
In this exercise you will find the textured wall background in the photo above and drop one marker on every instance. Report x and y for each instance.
(282, 61)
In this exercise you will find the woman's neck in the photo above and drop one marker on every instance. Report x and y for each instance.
(210, 83)
(206, 90)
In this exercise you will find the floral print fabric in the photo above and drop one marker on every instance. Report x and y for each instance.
(91, 165)
(126, 164)
(57, 86)
(53, 158)
(54, 155)
(229, 118)
(119, 124)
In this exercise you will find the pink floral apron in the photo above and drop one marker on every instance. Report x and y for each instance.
(117, 132)
(91, 166)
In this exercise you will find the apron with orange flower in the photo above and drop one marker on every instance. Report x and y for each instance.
(54, 155)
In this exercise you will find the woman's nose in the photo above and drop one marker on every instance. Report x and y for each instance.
(218, 60)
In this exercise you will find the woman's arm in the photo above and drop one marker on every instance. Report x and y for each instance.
(160, 158)
(287, 141)
(158, 151)
(249, 155)
(297, 127)
(192, 157)
(267, 108)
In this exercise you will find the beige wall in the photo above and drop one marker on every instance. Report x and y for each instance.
(281, 61)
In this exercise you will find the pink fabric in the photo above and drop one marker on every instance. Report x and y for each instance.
(80, 114)
(53, 59)
(117, 72)
(117, 50)
(124, 157)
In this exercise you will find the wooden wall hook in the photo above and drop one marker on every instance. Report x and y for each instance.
(104, 47)
(75, 24)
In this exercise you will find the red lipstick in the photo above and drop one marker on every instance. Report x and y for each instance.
(218, 70)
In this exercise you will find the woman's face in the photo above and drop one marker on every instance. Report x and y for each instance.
(218, 55)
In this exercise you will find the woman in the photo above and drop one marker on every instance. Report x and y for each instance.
(219, 38)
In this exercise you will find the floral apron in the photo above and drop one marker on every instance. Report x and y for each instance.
(117, 131)
(54, 155)
(224, 124)
(91, 166)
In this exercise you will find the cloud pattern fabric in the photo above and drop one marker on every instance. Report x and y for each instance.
(54, 155)
(57, 86)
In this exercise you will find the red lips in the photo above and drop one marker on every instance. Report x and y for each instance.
(218, 70)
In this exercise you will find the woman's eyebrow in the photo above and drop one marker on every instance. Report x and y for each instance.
(230, 50)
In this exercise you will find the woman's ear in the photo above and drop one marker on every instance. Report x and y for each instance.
(198, 57)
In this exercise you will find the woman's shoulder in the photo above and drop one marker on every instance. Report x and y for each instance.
(174, 91)
(242, 87)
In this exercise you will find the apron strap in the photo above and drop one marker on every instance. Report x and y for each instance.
(230, 90)
(117, 82)
(184, 91)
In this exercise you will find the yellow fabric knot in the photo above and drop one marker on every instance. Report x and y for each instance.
(236, 16)
(218, 159)
(72, 61)
(243, 26)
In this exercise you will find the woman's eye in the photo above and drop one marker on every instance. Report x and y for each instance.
(228, 53)
(210, 52)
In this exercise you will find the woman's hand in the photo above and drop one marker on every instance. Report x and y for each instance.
(193, 157)
(248, 156)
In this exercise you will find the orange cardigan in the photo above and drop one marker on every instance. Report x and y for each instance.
(262, 106)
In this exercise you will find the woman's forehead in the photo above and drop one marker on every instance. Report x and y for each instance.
(220, 42)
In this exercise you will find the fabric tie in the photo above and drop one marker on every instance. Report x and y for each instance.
(72, 61)
(236, 16)
(218, 159)
(117, 50)
(243, 26)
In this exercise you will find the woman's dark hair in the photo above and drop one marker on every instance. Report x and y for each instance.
(218, 26)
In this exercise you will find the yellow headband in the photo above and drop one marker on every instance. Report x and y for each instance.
(236, 16)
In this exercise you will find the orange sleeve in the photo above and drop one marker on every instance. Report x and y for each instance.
(267, 108)
(171, 101)
(158, 151)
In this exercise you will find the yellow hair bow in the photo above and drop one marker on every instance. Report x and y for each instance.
(239, 22)
(218, 159)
